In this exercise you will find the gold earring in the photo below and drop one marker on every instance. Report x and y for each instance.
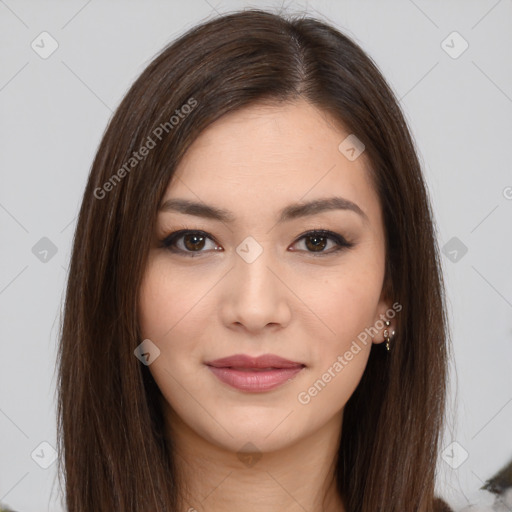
(387, 337)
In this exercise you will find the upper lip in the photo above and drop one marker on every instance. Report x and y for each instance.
(245, 361)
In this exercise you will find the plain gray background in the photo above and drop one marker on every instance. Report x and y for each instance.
(54, 111)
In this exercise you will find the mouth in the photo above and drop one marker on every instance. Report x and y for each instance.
(246, 373)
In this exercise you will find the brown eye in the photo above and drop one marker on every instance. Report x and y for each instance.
(189, 242)
(317, 241)
(193, 241)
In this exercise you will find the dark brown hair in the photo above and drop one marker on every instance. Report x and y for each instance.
(114, 454)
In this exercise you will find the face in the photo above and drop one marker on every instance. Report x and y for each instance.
(262, 280)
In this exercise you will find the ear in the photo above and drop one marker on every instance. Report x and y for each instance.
(385, 311)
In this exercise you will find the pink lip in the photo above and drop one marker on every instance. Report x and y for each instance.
(254, 374)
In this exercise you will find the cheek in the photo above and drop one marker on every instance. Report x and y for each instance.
(168, 300)
(347, 305)
(344, 306)
(340, 354)
(328, 391)
(174, 312)
(169, 314)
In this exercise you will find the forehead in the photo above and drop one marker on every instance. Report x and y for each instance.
(272, 155)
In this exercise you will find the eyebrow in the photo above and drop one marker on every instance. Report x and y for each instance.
(290, 212)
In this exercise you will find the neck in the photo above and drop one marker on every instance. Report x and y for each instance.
(293, 478)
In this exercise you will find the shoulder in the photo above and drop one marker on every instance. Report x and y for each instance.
(441, 506)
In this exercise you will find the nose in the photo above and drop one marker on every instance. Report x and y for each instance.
(255, 294)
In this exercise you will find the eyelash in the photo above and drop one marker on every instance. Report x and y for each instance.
(169, 241)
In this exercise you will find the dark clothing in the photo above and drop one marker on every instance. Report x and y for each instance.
(441, 506)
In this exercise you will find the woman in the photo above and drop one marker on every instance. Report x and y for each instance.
(255, 314)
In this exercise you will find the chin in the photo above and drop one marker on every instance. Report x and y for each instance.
(246, 435)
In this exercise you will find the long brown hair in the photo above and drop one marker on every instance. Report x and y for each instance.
(113, 451)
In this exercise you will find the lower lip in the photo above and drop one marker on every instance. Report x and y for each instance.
(255, 381)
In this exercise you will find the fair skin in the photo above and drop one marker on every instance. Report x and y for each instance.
(290, 301)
